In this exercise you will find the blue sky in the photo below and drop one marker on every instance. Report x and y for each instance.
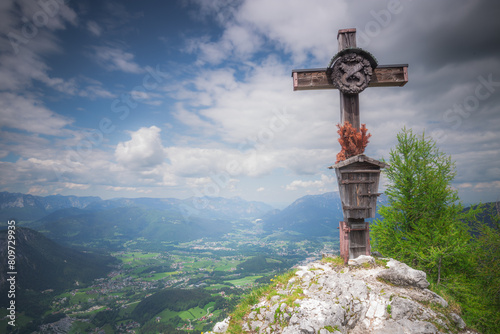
(193, 98)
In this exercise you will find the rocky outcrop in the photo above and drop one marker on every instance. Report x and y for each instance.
(364, 297)
(401, 274)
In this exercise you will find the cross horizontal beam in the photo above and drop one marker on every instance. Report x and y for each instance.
(383, 76)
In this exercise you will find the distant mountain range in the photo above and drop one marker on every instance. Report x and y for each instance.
(312, 215)
(29, 208)
(92, 221)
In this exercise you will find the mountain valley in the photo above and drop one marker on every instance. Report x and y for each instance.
(153, 265)
(211, 248)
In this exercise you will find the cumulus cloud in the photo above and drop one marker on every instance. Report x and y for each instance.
(261, 110)
(283, 22)
(237, 41)
(248, 25)
(143, 151)
(206, 162)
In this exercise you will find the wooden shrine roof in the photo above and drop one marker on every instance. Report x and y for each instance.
(359, 158)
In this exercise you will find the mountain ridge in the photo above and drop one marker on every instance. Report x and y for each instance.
(325, 209)
(26, 207)
(87, 220)
(30, 207)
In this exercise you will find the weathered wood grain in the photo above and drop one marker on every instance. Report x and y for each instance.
(358, 179)
(354, 239)
(357, 243)
(349, 103)
(349, 109)
(383, 76)
(346, 38)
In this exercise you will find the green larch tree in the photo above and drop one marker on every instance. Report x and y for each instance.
(424, 223)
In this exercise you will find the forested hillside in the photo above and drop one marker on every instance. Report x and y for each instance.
(45, 269)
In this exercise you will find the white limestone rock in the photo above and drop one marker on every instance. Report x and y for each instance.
(361, 259)
(458, 320)
(351, 299)
(221, 327)
(401, 274)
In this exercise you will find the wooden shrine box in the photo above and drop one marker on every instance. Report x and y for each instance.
(358, 178)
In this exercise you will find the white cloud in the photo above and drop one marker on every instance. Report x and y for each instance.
(71, 185)
(238, 41)
(260, 111)
(280, 23)
(46, 15)
(147, 97)
(94, 28)
(220, 10)
(206, 162)
(191, 118)
(134, 189)
(26, 113)
(143, 151)
(19, 71)
(38, 191)
(284, 22)
(94, 91)
(312, 185)
(22, 58)
(115, 59)
(481, 185)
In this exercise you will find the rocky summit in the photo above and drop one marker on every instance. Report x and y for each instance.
(367, 296)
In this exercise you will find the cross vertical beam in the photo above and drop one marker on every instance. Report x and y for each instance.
(349, 103)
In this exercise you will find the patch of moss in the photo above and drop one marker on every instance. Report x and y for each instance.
(331, 329)
(336, 261)
(366, 265)
(381, 262)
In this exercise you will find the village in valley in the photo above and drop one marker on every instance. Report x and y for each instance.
(220, 268)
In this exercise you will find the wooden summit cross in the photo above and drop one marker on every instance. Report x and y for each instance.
(350, 71)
